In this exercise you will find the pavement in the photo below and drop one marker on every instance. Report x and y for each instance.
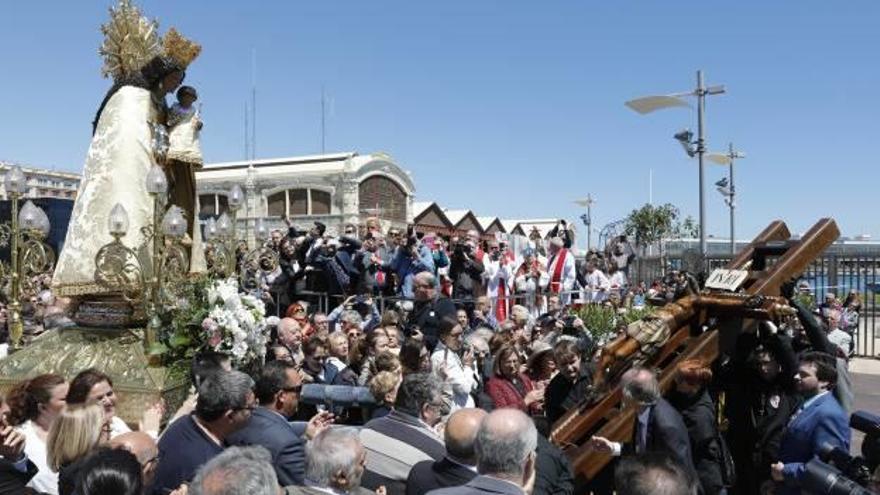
(865, 374)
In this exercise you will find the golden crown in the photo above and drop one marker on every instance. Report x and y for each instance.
(179, 49)
(131, 41)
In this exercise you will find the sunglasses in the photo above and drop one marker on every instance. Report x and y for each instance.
(295, 389)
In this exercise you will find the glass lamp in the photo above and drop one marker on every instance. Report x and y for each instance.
(28, 216)
(211, 229)
(15, 181)
(156, 181)
(236, 198)
(118, 221)
(261, 232)
(224, 226)
(173, 224)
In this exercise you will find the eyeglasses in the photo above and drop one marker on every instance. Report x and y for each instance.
(295, 389)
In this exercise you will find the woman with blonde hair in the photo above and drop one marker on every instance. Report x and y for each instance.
(383, 387)
(74, 434)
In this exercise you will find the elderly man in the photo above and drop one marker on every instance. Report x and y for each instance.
(278, 391)
(396, 442)
(224, 405)
(290, 336)
(144, 448)
(562, 270)
(335, 464)
(659, 427)
(656, 474)
(237, 470)
(460, 463)
(505, 446)
(429, 309)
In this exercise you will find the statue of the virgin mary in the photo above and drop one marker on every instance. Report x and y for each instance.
(144, 68)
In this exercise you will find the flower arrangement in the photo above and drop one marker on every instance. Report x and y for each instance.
(235, 324)
(213, 315)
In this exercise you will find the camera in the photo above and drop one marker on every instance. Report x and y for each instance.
(853, 467)
(823, 479)
(856, 468)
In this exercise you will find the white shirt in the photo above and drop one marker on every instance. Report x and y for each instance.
(46, 480)
(598, 285)
(118, 427)
(460, 380)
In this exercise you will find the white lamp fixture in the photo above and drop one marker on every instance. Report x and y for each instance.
(236, 198)
(15, 181)
(156, 181)
(117, 223)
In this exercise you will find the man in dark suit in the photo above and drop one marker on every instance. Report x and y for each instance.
(225, 403)
(505, 447)
(278, 389)
(658, 426)
(818, 421)
(460, 463)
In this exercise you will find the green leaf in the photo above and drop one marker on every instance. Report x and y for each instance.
(177, 341)
(157, 349)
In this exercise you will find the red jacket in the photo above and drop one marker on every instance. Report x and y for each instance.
(504, 394)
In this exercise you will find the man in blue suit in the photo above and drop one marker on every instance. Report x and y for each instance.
(278, 391)
(819, 420)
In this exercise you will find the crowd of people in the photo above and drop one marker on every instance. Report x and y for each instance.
(452, 391)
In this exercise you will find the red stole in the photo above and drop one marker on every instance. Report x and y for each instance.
(557, 264)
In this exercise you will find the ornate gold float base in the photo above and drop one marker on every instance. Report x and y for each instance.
(117, 352)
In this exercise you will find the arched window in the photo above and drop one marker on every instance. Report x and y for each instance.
(383, 195)
(299, 202)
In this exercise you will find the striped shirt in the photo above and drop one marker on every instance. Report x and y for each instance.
(394, 444)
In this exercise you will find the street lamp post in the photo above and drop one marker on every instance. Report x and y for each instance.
(727, 188)
(649, 104)
(587, 217)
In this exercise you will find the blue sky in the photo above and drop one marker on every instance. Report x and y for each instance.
(510, 108)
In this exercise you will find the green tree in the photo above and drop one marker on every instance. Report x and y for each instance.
(652, 225)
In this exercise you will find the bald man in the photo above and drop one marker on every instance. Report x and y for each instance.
(505, 449)
(460, 463)
(143, 447)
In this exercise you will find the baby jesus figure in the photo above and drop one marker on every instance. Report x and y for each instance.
(184, 158)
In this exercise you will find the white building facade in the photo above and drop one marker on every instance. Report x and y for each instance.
(44, 183)
(335, 189)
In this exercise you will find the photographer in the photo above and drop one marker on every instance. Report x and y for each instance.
(370, 264)
(410, 259)
(322, 255)
(363, 304)
(465, 271)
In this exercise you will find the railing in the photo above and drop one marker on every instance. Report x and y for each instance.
(830, 273)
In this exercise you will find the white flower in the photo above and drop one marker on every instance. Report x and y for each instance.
(239, 350)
